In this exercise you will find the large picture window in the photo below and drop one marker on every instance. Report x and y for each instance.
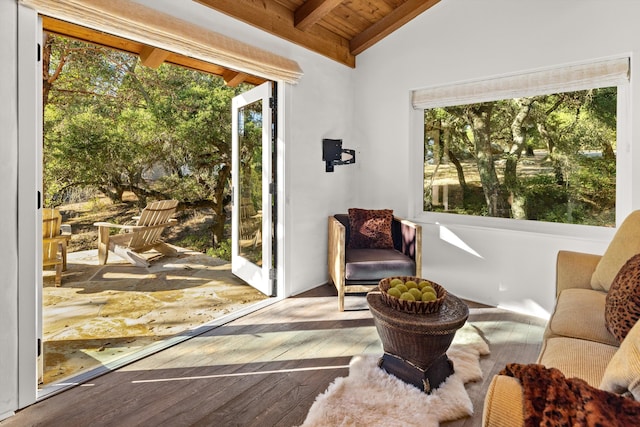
(540, 154)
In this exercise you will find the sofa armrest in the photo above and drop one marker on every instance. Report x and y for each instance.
(503, 404)
(574, 270)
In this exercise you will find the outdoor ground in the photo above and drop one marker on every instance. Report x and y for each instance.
(103, 313)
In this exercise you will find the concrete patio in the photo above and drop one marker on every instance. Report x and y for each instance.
(103, 313)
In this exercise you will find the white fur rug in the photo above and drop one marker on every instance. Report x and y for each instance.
(370, 397)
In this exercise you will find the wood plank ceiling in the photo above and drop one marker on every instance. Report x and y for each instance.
(338, 29)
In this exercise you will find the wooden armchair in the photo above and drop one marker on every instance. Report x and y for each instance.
(360, 270)
(55, 237)
(141, 237)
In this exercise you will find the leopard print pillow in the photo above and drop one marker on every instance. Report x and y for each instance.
(370, 229)
(622, 308)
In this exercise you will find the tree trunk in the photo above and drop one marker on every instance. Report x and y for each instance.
(558, 170)
(518, 135)
(220, 201)
(46, 61)
(113, 193)
(459, 170)
(480, 119)
(607, 151)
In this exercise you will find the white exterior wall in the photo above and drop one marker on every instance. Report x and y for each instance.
(462, 40)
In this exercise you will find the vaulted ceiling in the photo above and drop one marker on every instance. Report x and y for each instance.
(338, 29)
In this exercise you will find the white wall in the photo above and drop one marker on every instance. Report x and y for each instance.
(321, 107)
(8, 221)
(459, 40)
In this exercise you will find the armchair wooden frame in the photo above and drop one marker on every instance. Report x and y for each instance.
(337, 249)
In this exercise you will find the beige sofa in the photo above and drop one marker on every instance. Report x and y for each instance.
(576, 340)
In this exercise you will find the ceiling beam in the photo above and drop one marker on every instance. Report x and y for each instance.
(153, 57)
(233, 78)
(89, 35)
(313, 11)
(396, 19)
(276, 19)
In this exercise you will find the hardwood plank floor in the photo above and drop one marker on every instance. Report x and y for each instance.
(264, 369)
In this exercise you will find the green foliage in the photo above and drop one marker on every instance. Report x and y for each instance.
(197, 242)
(114, 125)
(184, 188)
(96, 205)
(223, 251)
(545, 199)
(586, 199)
(547, 158)
(596, 183)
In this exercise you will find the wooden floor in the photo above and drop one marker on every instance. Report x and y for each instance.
(264, 369)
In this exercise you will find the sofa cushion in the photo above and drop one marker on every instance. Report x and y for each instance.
(622, 307)
(623, 371)
(370, 229)
(624, 245)
(577, 358)
(579, 313)
(375, 264)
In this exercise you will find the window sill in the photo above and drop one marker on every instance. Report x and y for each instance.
(589, 232)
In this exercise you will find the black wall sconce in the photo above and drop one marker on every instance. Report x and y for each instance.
(332, 153)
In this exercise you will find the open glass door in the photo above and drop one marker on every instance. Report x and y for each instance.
(251, 220)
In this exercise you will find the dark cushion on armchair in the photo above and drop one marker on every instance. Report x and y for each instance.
(372, 264)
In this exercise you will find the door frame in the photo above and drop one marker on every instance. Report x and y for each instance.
(247, 270)
(29, 304)
(29, 200)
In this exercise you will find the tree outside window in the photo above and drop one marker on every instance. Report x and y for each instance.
(547, 158)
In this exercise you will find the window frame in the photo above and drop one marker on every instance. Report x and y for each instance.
(624, 162)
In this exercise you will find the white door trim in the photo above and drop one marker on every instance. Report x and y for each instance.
(29, 183)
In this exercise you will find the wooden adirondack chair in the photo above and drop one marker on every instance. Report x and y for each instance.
(138, 238)
(250, 225)
(54, 242)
